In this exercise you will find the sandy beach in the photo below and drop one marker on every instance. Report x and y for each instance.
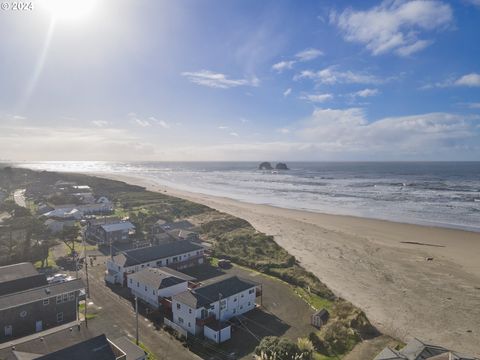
(412, 281)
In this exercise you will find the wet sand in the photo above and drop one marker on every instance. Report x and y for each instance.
(411, 280)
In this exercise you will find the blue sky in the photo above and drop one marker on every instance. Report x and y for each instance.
(241, 80)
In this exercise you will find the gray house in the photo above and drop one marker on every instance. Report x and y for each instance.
(28, 304)
(419, 350)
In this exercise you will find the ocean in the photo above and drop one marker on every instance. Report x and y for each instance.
(445, 194)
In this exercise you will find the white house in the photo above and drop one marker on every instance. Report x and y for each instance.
(56, 226)
(177, 255)
(153, 284)
(206, 308)
(65, 213)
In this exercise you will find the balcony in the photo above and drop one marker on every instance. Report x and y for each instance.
(201, 322)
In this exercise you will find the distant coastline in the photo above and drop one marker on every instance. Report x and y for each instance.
(443, 195)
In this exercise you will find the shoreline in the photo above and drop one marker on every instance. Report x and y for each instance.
(379, 265)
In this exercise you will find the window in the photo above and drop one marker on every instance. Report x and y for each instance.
(234, 299)
(153, 291)
(138, 284)
(159, 263)
(65, 297)
(145, 287)
(180, 320)
(251, 291)
(59, 299)
(249, 303)
(223, 304)
(178, 306)
(241, 295)
(60, 317)
(189, 311)
(71, 296)
(46, 301)
(189, 325)
(8, 330)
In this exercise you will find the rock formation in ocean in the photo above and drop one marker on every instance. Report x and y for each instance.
(265, 166)
(281, 166)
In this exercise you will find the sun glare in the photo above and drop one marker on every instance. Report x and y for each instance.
(69, 9)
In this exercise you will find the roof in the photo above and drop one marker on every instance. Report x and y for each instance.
(155, 278)
(152, 253)
(97, 348)
(124, 225)
(322, 313)
(182, 224)
(418, 350)
(38, 293)
(132, 351)
(17, 271)
(21, 284)
(209, 293)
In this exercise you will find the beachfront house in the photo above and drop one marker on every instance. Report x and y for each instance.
(205, 309)
(416, 349)
(28, 304)
(177, 255)
(153, 284)
(106, 232)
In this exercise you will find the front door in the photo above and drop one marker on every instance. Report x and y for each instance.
(38, 326)
(8, 330)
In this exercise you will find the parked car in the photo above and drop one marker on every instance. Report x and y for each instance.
(57, 278)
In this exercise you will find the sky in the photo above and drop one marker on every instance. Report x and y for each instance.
(240, 80)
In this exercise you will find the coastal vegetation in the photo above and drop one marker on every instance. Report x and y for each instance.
(230, 238)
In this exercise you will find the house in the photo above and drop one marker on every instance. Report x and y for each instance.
(28, 304)
(179, 234)
(109, 232)
(176, 255)
(418, 350)
(75, 343)
(320, 318)
(66, 213)
(205, 309)
(56, 226)
(162, 226)
(96, 208)
(153, 284)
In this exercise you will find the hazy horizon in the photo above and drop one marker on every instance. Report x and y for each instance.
(240, 81)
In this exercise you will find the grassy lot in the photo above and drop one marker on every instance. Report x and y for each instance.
(150, 355)
(91, 314)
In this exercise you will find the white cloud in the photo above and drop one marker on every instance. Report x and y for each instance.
(18, 117)
(474, 105)
(365, 93)
(283, 65)
(223, 127)
(287, 92)
(284, 130)
(470, 80)
(218, 80)
(317, 98)
(234, 134)
(162, 123)
(330, 76)
(349, 131)
(308, 54)
(393, 26)
(243, 120)
(100, 123)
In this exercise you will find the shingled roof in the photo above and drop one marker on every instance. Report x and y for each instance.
(39, 293)
(152, 253)
(209, 293)
(159, 278)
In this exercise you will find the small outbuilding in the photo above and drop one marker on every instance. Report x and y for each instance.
(320, 318)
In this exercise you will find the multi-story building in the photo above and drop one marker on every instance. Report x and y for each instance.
(176, 255)
(205, 309)
(109, 232)
(28, 304)
(153, 284)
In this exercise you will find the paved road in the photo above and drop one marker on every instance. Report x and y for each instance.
(19, 197)
(117, 318)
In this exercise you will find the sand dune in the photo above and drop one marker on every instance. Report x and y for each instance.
(382, 267)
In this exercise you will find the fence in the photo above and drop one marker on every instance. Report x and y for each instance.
(175, 327)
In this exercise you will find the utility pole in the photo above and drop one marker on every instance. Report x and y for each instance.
(85, 312)
(85, 260)
(136, 318)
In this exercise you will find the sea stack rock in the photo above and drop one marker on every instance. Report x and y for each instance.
(265, 166)
(281, 166)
